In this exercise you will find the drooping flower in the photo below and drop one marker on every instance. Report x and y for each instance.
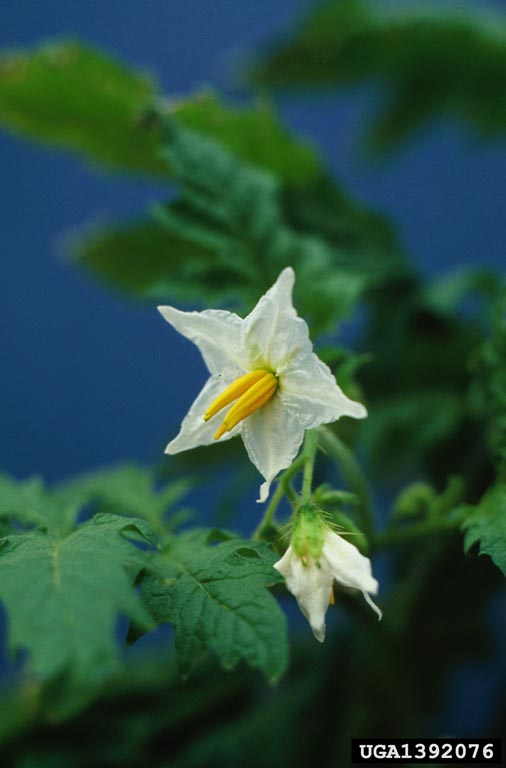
(310, 565)
(265, 364)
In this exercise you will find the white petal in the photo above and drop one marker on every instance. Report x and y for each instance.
(273, 334)
(311, 586)
(309, 388)
(373, 605)
(272, 437)
(217, 334)
(285, 564)
(349, 567)
(194, 430)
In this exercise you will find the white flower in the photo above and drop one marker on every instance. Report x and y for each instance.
(266, 364)
(311, 580)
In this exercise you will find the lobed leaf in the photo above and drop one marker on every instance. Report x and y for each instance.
(63, 594)
(29, 503)
(216, 598)
(486, 526)
(228, 237)
(128, 489)
(254, 133)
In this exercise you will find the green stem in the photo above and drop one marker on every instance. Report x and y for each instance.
(398, 535)
(308, 455)
(284, 488)
(353, 476)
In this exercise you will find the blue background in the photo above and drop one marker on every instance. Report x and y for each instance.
(89, 378)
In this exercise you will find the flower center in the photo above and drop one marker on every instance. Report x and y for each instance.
(251, 392)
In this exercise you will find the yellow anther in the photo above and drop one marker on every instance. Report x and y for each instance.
(250, 402)
(332, 599)
(233, 391)
(253, 390)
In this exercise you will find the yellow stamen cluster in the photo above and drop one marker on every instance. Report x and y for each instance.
(251, 391)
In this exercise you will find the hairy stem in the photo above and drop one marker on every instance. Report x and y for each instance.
(353, 476)
(309, 455)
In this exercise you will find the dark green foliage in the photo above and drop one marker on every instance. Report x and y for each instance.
(254, 134)
(251, 200)
(64, 584)
(433, 579)
(431, 62)
(30, 504)
(215, 597)
(488, 394)
(63, 594)
(228, 237)
(128, 489)
(486, 525)
(369, 678)
(236, 226)
(144, 259)
(418, 380)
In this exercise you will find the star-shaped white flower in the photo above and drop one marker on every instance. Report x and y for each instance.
(265, 363)
(311, 580)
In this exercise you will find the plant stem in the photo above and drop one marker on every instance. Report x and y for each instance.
(353, 476)
(283, 488)
(414, 531)
(308, 455)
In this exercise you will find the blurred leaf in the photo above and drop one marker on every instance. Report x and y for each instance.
(486, 526)
(435, 588)
(488, 389)
(253, 133)
(79, 98)
(147, 718)
(226, 240)
(417, 384)
(448, 293)
(402, 429)
(323, 208)
(142, 258)
(129, 489)
(63, 594)
(432, 62)
(416, 500)
(28, 503)
(215, 597)
(392, 682)
(73, 96)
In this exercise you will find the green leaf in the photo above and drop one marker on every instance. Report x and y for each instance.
(403, 428)
(29, 504)
(79, 98)
(216, 598)
(486, 526)
(128, 489)
(253, 133)
(168, 266)
(227, 239)
(75, 97)
(488, 389)
(431, 62)
(63, 594)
